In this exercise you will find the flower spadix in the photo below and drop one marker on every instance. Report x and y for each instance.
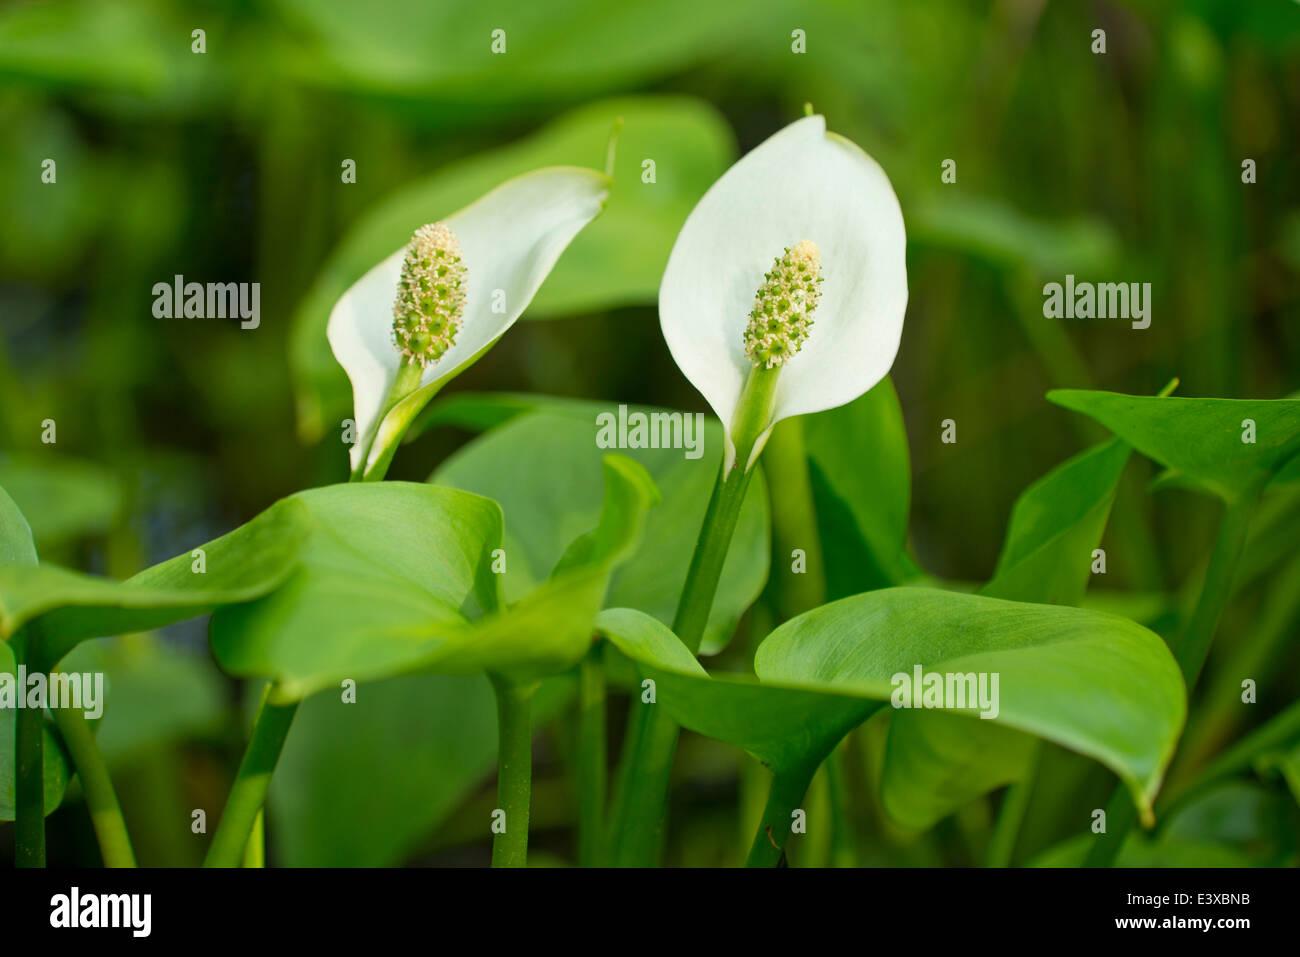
(430, 303)
(787, 284)
(429, 310)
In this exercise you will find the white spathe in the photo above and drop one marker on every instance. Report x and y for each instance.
(510, 239)
(801, 183)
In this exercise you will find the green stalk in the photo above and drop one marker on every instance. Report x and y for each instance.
(1006, 830)
(514, 771)
(794, 521)
(248, 793)
(255, 850)
(105, 812)
(844, 839)
(591, 759)
(1259, 653)
(1192, 649)
(642, 794)
(29, 786)
(1190, 652)
(788, 789)
(29, 809)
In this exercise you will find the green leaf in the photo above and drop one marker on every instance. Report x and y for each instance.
(789, 729)
(399, 578)
(16, 545)
(1055, 525)
(862, 511)
(73, 607)
(617, 260)
(935, 763)
(1095, 683)
(557, 451)
(1200, 438)
(363, 784)
(56, 764)
(390, 568)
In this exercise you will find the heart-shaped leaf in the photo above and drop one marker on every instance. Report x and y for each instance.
(936, 763)
(1230, 447)
(387, 564)
(1096, 683)
(557, 449)
(402, 577)
(70, 607)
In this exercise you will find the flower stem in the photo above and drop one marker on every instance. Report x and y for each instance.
(1190, 651)
(591, 758)
(406, 381)
(248, 793)
(514, 771)
(705, 570)
(651, 739)
(97, 785)
(642, 793)
(788, 789)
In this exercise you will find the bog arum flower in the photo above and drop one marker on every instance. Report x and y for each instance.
(783, 295)
(429, 310)
(816, 328)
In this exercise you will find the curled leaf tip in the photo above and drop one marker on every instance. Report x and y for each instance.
(783, 306)
(430, 303)
(1146, 815)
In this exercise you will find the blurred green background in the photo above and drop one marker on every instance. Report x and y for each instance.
(226, 166)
